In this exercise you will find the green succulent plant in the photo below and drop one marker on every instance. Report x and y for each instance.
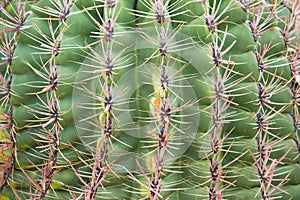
(149, 99)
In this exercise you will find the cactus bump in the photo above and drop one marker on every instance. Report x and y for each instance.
(149, 99)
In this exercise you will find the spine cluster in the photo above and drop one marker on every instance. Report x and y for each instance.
(162, 101)
(268, 85)
(49, 112)
(220, 102)
(11, 28)
(149, 99)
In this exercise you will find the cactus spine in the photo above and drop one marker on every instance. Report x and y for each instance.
(158, 99)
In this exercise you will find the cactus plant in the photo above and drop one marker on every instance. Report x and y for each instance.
(149, 99)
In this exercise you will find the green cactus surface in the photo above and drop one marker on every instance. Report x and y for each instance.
(149, 99)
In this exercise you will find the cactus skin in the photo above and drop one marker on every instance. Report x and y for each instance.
(214, 104)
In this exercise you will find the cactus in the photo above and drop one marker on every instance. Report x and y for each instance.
(149, 99)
